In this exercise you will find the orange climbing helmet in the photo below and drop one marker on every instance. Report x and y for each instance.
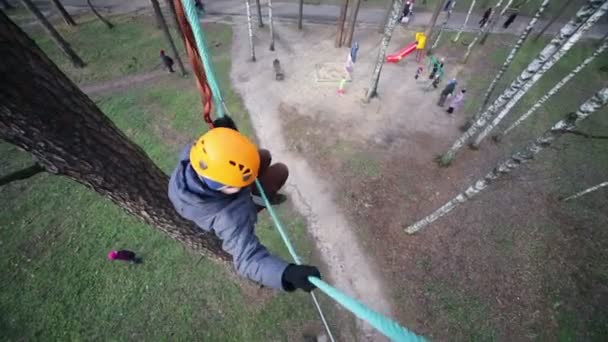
(225, 156)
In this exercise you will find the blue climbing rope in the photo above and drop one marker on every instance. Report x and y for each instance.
(385, 325)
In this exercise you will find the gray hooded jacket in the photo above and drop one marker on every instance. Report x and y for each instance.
(231, 217)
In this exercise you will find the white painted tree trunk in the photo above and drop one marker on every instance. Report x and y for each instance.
(481, 32)
(250, 27)
(520, 42)
(548, 65)
(271, 24)
(464, 24)
(386, 39)
(444, 24)
(584, 192)
(593, 104)
(504, 9)
(565, 33)
(557, 87)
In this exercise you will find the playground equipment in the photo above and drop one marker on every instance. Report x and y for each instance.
(396, 57)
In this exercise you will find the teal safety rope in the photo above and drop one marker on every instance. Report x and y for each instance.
(385, 325)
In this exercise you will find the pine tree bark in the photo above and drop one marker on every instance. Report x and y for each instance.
(464, 24)
(250, 28)
(444, 24)
(565, 33)
(484, 30)
(271, 23)
(43, 112)
(259, 8)
(546, 66)
(586, 191)
(386, 39)
(341, 21)
(556, 88)
(598, 101)
(102, 19)
(55, 36)
(300, 14)
(165, 28)
(560, 11)
(352, 23)
(67, 18)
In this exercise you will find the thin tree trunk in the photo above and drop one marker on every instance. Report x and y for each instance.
(488, 26)
(259, 7)
(387, 14)
(341, 20)
(55, 36)
(67, 18)
(102, 19)
(496, 20)
(39, 104)
(520, 42)
(21, 174)
(546, 66)
(584, 192)
(352, 22)
(165, 28)
(560, 11)
(444, 24)
(250, 27)
(431, 28)
(300, 14)
(7, 5)
(556, 88)
(565, 33)
(386, 39)
(593, 104)
(271, 23)
(464, 24)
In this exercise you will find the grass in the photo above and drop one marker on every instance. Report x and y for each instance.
(56, 282)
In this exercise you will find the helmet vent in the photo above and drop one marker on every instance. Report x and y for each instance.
(241, 167)
(246, 178)
(232, 163)
(247, 171)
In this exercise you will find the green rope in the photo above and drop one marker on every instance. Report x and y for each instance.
(388, 327)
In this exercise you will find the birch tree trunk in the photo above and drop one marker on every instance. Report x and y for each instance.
(102, 19)
(300, 14)
(67, 18)
(556, 88)
(44, 113)
(55, 36)
(489, 25)
(165, 28)
(443, 25)
(386, 39)
(352, 22)
(548, 64)
(593, 104)
(511, 57)
(464, 24)
(584, 192)
(341, 20)
(387, 15)
(250, 28)
(432, 23)
(259, 7)
(565, 33)
(271, 24)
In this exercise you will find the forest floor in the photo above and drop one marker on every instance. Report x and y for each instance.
(513, 264)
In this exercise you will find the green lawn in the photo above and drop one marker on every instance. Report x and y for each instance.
(54, 234)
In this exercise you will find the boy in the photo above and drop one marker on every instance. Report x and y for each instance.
(212, 186)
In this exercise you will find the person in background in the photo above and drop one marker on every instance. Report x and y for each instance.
(447, 91)
(167, 61)
(485, 17)
(456, 101)
(419, 71)
(509, 20)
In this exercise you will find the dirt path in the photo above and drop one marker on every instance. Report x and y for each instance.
(350, 268)
(121, 83)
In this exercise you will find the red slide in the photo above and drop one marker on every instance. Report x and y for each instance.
(396, 57)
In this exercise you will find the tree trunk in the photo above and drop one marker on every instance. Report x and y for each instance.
(259, 7)
(560, 11)
(496, 20)
(520, 42)
(341, 20)
(464, 24)
(250, 27)
(387, 15)
(165, 28)
(271, 23)
(546, 66)
(300, 14)
(386, 39)
(556, 88)
(584, 192)
(21, 174)
(593, 104)
(444, 24)
(352, 22)
(484, 30)
(431, 28)
(64, 14)
(7, 5)
(565, 33)
(55, 36)
(44, 113)
(103, 20)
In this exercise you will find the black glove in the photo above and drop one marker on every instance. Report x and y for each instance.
(225, 122)
(296, 277)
